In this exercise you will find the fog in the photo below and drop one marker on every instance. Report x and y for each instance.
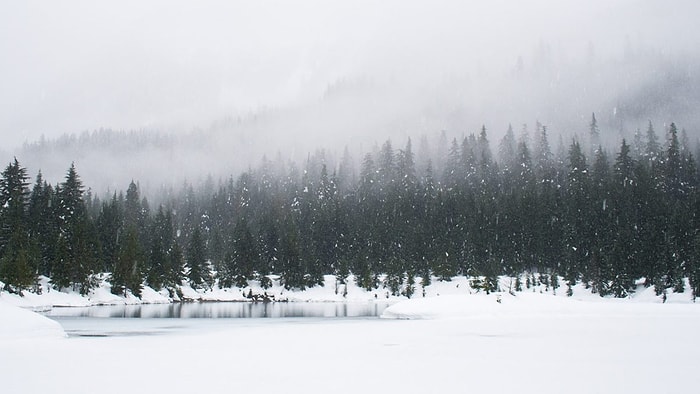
(222, 83)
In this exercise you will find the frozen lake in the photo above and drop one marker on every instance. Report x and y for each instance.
(536, 345)
(156, 319)
(225, 310)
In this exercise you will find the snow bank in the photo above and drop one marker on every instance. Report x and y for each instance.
(522, 304)
(18, 323)
(483, 305)
(332, 291)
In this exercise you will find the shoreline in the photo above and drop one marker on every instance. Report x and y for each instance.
(331, 292)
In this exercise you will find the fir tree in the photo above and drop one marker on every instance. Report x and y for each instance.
(127, 273)
(78, 244)
(18, 257)
(42, 224)
(593, 135)
(244, 256)
(578, 235)
(198, 270)
(161, 244)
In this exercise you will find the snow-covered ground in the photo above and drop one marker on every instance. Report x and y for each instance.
(332, 291)
(528, 343)
(20, 324)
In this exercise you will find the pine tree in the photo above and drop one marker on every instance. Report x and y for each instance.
(429, 250)
(132, 207)
(346, 173)
(127, 273)
(268, 239)
(198, 270)
(578, 236)
(487, 167)
(291, 272)
(18, 256)
(652, 151)
(110, 227)
(367, 230)
(593, 136)
(601, 224)
(175, 269)
(78, 261)
(468, 161)
(406, 203)
(161, 244)
(653, 157)
(625, 242)
(638, 146)
(673, 183)
(542, 157)
(385, 169)
(508, 157)
(649, 224)
(326, 223)
(678, 230)
(694, 268)
(42, 224)
(453, 173)
(243, 256)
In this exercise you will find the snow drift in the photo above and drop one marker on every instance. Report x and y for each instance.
(18, 323)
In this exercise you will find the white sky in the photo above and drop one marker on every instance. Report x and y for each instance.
(71, 66)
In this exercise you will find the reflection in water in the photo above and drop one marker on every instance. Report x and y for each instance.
(214, 310)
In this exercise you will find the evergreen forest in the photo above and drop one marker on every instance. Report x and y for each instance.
(582, 212)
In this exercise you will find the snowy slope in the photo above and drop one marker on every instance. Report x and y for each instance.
(17, 323)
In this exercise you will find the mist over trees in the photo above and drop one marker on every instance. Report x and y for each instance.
(428, 209)
(626, 84)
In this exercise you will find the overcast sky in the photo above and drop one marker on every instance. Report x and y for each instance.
(71, 66)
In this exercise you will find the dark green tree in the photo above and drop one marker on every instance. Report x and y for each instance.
(42, 224)
(578, 236)
(127, 274)
(161, 235)
(243, 257)
(110, 224)
(197, 267)
(80, 238)
(18, 254)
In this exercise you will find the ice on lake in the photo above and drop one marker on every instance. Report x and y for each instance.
(526, 346)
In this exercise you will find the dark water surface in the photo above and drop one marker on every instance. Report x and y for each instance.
(157, 319)
(218, 310)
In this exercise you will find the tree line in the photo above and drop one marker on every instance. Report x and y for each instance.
(581, 213)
